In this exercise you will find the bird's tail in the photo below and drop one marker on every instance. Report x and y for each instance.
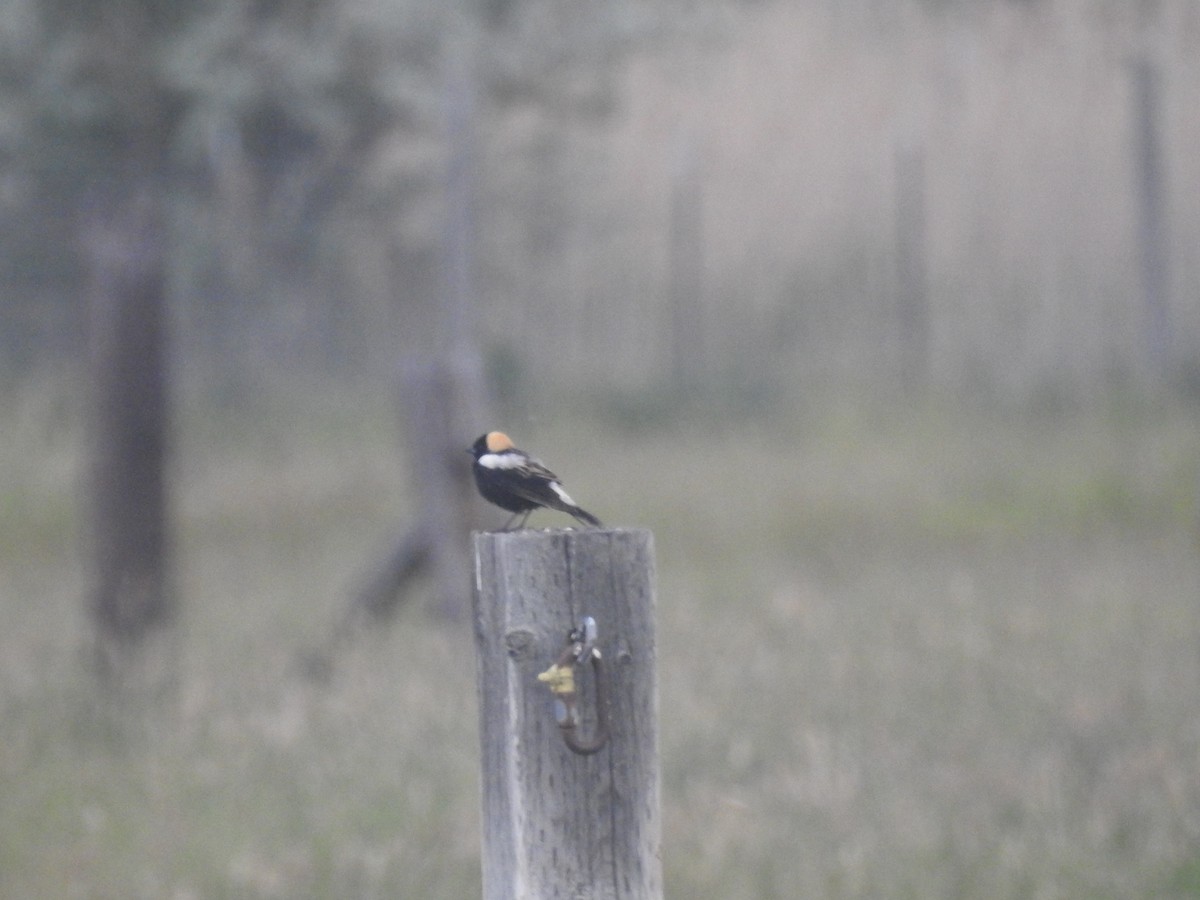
(584, 516)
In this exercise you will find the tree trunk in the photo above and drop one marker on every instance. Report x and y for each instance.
(130, 592)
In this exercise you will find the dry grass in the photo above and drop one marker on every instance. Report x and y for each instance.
(904, 654)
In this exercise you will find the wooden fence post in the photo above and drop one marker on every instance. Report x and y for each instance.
(1153, 232)
(912, 281)
(556, 823)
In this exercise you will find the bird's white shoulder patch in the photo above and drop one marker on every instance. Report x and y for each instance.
(501, 460)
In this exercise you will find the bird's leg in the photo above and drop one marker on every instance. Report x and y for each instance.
(510, 520)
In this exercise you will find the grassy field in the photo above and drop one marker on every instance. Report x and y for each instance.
(905, 653)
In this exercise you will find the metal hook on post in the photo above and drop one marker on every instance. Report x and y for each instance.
(560, 678)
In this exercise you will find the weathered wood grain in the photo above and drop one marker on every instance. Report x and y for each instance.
(557, 824)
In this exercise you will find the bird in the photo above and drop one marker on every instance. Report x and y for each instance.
(515, 481)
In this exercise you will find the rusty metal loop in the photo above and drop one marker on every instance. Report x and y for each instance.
(560, 679)
(600, 735)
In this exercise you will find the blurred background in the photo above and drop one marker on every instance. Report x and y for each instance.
(884, 316)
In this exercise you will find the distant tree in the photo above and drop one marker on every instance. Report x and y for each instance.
(129, 422)
(129, 113)
(110, 58)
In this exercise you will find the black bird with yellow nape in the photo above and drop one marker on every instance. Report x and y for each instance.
(515, 481)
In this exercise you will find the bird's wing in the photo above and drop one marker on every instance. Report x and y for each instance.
(535, 483)
(532, 468)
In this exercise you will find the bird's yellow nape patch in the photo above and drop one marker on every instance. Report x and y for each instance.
(498, 441)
